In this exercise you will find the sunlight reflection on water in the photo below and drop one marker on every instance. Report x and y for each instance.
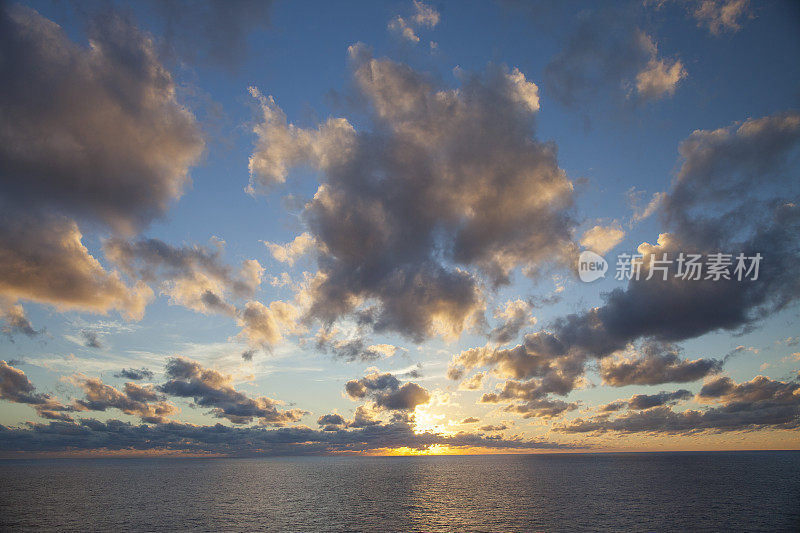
(645, 492)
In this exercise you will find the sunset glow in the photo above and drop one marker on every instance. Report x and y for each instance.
(237, 229)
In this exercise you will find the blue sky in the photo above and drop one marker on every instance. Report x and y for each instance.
(616, 143)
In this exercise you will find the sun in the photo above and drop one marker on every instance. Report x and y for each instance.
(426, 421)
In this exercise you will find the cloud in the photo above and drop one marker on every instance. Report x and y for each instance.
(136, 374)
(407, 397)
(143, 401)
(641, 213)
(758, 404)
(196, 277)
(475, 382)
(16, 321)
(653, 364)
(659, 78)
(17, 388)
(425, 16)
(759, 389)
(730, 195)
(264, 326)
(210, 388)
(192, 276)
(540, 354)
(549, 363)
(44, 260)
(214, 389)
(515, 315)
(332, 422)
(91, 135)
(387, 392)
(401, 28)
(91, 132)
(606, 53)
(91, 339)
(601, 239)
(446, 185)
(721, 16)
(355, 349)
(713, 205)
(719, 168)
(789, 341)
(364, 417)
(213, 31)
(639, 402)
(280, 145)
(289, 252)
(531, 398)
(237, 441)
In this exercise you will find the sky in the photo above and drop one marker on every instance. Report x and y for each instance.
(265, 228)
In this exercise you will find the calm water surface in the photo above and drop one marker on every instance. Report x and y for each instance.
(743, 491)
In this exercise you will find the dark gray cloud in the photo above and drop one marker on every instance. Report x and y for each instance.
(93, 132)
(414, 373)
(544, 408)
(214, 389)
(759, 389)
(496, 427)
(359, 388)
(16, 321)
(639, 402)
(185, 379)
(656, 363)
(44, 260)
(136, 374)
(363, 417)
(731, 194)
(613, 406)
(514, 315)
(761, 403)
(91, 339)
(91, 135)
(646, 401)
(609, 54)
(548, 364)
(448, 192)
(407, 397)
(332, 422)
(193, 276)
(356, 349)
(387, 392)
(16, 387)
(143, 401)
(531, 398)
(91, 434)
(211, 31)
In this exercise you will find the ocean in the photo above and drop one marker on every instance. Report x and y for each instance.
(715, 491)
